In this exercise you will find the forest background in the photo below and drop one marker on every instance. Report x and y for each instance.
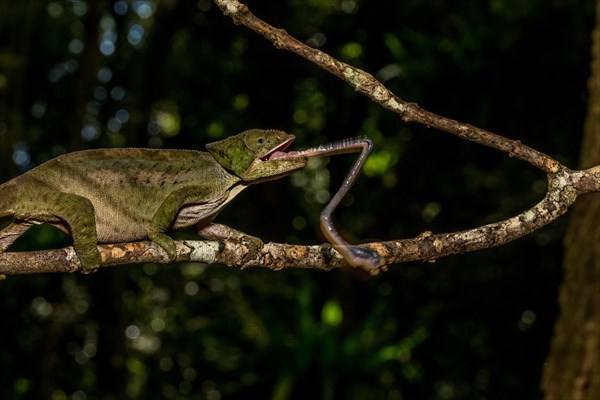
(179, 74)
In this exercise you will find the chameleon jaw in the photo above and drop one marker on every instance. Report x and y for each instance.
(267, 167)
(278, 152)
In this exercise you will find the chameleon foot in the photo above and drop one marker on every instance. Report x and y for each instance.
(165, 242)
(90, 260)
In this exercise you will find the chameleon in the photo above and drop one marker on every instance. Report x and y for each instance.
(121, 195)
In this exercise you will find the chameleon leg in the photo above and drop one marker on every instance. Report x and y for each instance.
(219, 231)
(165, 216)
(157, 234)
(71, 212)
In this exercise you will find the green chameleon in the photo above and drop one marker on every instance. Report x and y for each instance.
(124, 195)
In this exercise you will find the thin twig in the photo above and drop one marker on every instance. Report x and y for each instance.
(366, 84)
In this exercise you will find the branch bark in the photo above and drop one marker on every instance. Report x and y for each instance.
(573, 365)
(366, 84)
(564, 186)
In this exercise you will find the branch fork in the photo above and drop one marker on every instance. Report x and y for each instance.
(564, 186)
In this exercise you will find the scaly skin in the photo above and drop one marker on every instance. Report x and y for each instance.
(122, 195)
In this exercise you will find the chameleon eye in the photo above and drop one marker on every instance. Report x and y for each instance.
(261, 140)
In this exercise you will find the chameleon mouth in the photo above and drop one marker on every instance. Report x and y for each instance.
(278, 152)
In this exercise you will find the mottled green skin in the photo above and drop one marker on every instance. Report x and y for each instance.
(123, 195)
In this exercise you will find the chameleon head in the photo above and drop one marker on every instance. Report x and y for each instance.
(249, 155)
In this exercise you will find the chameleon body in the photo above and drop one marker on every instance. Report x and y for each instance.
(123, 195)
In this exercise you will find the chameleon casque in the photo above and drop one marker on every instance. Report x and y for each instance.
(123, 195)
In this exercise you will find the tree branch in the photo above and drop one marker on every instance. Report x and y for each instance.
(366, 84)
(564, 186)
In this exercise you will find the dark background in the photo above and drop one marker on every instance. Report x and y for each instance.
(179, 74)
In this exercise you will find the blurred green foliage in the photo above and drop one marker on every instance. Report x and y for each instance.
(177, 73)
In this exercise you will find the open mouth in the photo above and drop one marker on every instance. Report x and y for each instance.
(278, 152)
